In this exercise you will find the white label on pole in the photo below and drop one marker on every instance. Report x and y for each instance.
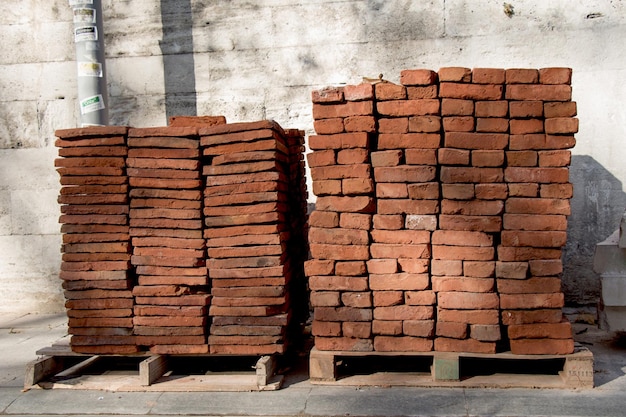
(89, 69)
(85, 33)
(92, 104)
(84, 15)
(74, 3)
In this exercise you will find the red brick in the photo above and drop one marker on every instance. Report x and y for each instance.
(534, 239)
(424, 124)
(478, 269)
(471, 91)
(458, 124)
(522, 76)
(444, 267)
(359, 124)
(561, 125)
(485, 333)
(419, 328)
(536, 175)
(463, 284)
(339, 141)
(491, 191)
(394, 125)
(399, 281)
(357, 299)
(469, 316)
(342, 314)
(465, 140)
(451, 156)
(523, 190)
(327, 187)
(328, 126)
(93, 151)
(321, 158)
(455, 74)
(403, 312)
(327, 219)
(540, 141)
(510, 317)
(353, 108)
(521, 158)
(424, 191)
(516, 270)
(458, 191)
(542, 346)
(325, 299)
(405, 173)
(398, 108)
(456, 107)
(400, 236)
(420, 298)
(558, 158)
(352, 269)
(488, 76)
(443, 344)
(420, 156)
(555, 75)
(491, 108)
(421, 222)
(525, 126)
(328, 95)
(389, 91)
(422, 92)
(337, 283)
(409, 140)
(326, 328)
(492, 124)
(402, 344)
(560, 109)
(356, 330)
(531, 301)
(357, 186)
(104, 162)
(508, 253)
(109, 312)
(343, 344)
(483, 158)
(340, 252)
(549, 267)
(463, 253)
(382, 266)
(355, 221)
(542, 92)
(338, 236)
(534, 222)
(461, 238)
(473, 223)
(538, 206)
(451, 329)
(417, 77)
(363, 91)
(392, 190)
(472, 208)
(387, 327)
(319, 267)
(529, 286)
(359, 204)
(393, 206)
(414, 265)
(388, 222)
(388, 250)
(525, 109)
(388, 298)
(468, 300)
(386, 158)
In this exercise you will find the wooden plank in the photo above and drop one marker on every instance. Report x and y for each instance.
(322, 365)
(152, 369)
(40, 369)
(265, 368)
(446, 367)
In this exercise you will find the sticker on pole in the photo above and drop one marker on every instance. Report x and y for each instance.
(85, 34)
(84, 15)
(92, 104)
(90, 69)
(74, 3)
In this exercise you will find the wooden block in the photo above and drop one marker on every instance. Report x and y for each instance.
(152, 369)
(265, 368)
(578, 370)
(446, 367)
(322, 365)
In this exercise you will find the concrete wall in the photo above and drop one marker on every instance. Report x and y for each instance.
(250, 60)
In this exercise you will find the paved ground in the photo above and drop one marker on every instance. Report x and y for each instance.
(22, 336)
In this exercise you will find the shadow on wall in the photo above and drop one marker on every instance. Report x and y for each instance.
(178, 59)
(597, 207)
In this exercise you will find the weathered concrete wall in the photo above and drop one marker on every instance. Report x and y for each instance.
(250, 60)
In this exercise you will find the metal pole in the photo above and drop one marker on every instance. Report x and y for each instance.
(90, 62)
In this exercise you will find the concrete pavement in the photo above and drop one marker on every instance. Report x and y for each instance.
(22, 336)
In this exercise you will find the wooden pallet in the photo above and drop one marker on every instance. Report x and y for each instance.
(443, 369)
(59, 367)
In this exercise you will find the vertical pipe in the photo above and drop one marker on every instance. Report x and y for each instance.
(90, 62)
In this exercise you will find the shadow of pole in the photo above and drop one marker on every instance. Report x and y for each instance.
(178, 60)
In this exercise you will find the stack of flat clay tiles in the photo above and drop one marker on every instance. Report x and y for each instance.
(471, 198)
(96, 245)
(246, 214)
(171, 293)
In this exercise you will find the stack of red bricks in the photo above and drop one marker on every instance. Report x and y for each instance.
(247, 231)
(471, 198)
(96, 245)
(339, 227)
(171, 293)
